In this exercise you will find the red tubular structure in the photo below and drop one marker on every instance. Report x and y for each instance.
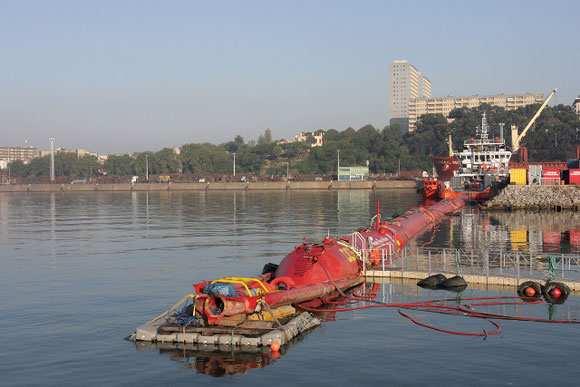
(313, 271)
(391, 237)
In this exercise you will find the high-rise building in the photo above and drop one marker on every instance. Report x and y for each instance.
(576, 106)
(443, 105)
(406, 83)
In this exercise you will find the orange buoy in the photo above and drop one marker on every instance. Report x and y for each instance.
(275, 346)
(530, 291)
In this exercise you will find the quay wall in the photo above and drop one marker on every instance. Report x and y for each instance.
(218, 186)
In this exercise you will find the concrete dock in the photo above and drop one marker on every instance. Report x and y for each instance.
(503, 281)
(480, 267)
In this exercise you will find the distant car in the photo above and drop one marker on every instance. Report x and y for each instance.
(243, 179)
(318, 178)
(79, 181)
(134, 179)
(202, 180)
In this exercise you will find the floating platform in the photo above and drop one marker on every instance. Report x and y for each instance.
(163, 329)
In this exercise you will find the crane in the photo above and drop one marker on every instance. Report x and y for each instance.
(516, 138)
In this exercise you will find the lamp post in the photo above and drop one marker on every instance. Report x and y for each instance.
(337, 164)
(234, 164)
(147, 167)
(52, 174)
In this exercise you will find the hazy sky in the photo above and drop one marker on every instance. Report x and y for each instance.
(114, 76)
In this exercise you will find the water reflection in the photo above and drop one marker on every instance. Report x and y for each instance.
(95, 265)
(219, 361)
(554, 232)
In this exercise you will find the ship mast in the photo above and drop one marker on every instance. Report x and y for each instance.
(483, 133)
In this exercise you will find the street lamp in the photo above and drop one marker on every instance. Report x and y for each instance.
(234, 164)
(147, 167)
(337, 164)
(52, 174)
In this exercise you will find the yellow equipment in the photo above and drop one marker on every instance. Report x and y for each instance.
(516, 138)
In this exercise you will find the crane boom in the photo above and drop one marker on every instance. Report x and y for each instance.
(516, 138)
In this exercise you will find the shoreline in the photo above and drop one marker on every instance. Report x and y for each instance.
(218, 186)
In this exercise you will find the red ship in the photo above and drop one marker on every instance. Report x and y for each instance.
(445, 166)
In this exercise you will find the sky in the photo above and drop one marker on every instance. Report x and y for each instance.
(123, 76)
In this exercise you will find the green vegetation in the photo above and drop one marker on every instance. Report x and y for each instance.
(554, 137)
(65, 164)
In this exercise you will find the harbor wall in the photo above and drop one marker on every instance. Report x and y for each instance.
(217, 186)
(536, 197)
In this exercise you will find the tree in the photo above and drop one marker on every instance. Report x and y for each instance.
(120, 165)
(166, 161)
(18, 168)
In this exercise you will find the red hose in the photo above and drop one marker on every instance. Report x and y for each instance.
(438, 306)
(483, 332)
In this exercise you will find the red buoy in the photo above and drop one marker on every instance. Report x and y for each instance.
(556, 293)
(275, 346)
(530, 292)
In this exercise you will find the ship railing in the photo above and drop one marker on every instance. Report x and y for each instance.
(481, 262)
(378, 257)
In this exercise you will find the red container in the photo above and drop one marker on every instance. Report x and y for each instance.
(574, 176)
(551, 241)
(575, 237)
(551, 173)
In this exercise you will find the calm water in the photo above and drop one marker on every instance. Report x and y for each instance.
(81, 271)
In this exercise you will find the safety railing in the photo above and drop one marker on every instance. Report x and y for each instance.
(486, 262)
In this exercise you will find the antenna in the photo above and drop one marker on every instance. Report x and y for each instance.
(484, 127)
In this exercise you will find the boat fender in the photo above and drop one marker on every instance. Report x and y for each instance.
(432, 282)
(529, 291)
(555, 292)
(454, 283)
(283, 283)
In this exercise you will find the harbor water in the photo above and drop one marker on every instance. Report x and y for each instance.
(81, 270)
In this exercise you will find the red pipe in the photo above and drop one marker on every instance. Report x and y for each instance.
(308, 292)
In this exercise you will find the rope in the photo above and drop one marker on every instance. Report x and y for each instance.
(331, 279)
(440, 307)
(263, 302)
(483, 332)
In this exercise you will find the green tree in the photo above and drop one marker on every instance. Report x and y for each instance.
(120, 165)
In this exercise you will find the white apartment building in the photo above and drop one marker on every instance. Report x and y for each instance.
(13, 153)
(407, 82)
(443, 105)
(576, 106)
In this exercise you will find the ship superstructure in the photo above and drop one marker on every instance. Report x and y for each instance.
(483, 155)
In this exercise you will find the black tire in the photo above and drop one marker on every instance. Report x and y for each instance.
(456, 289)
(549, 286)
(432, 282)
(269, 268)
(529, 284)
(454, 282)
